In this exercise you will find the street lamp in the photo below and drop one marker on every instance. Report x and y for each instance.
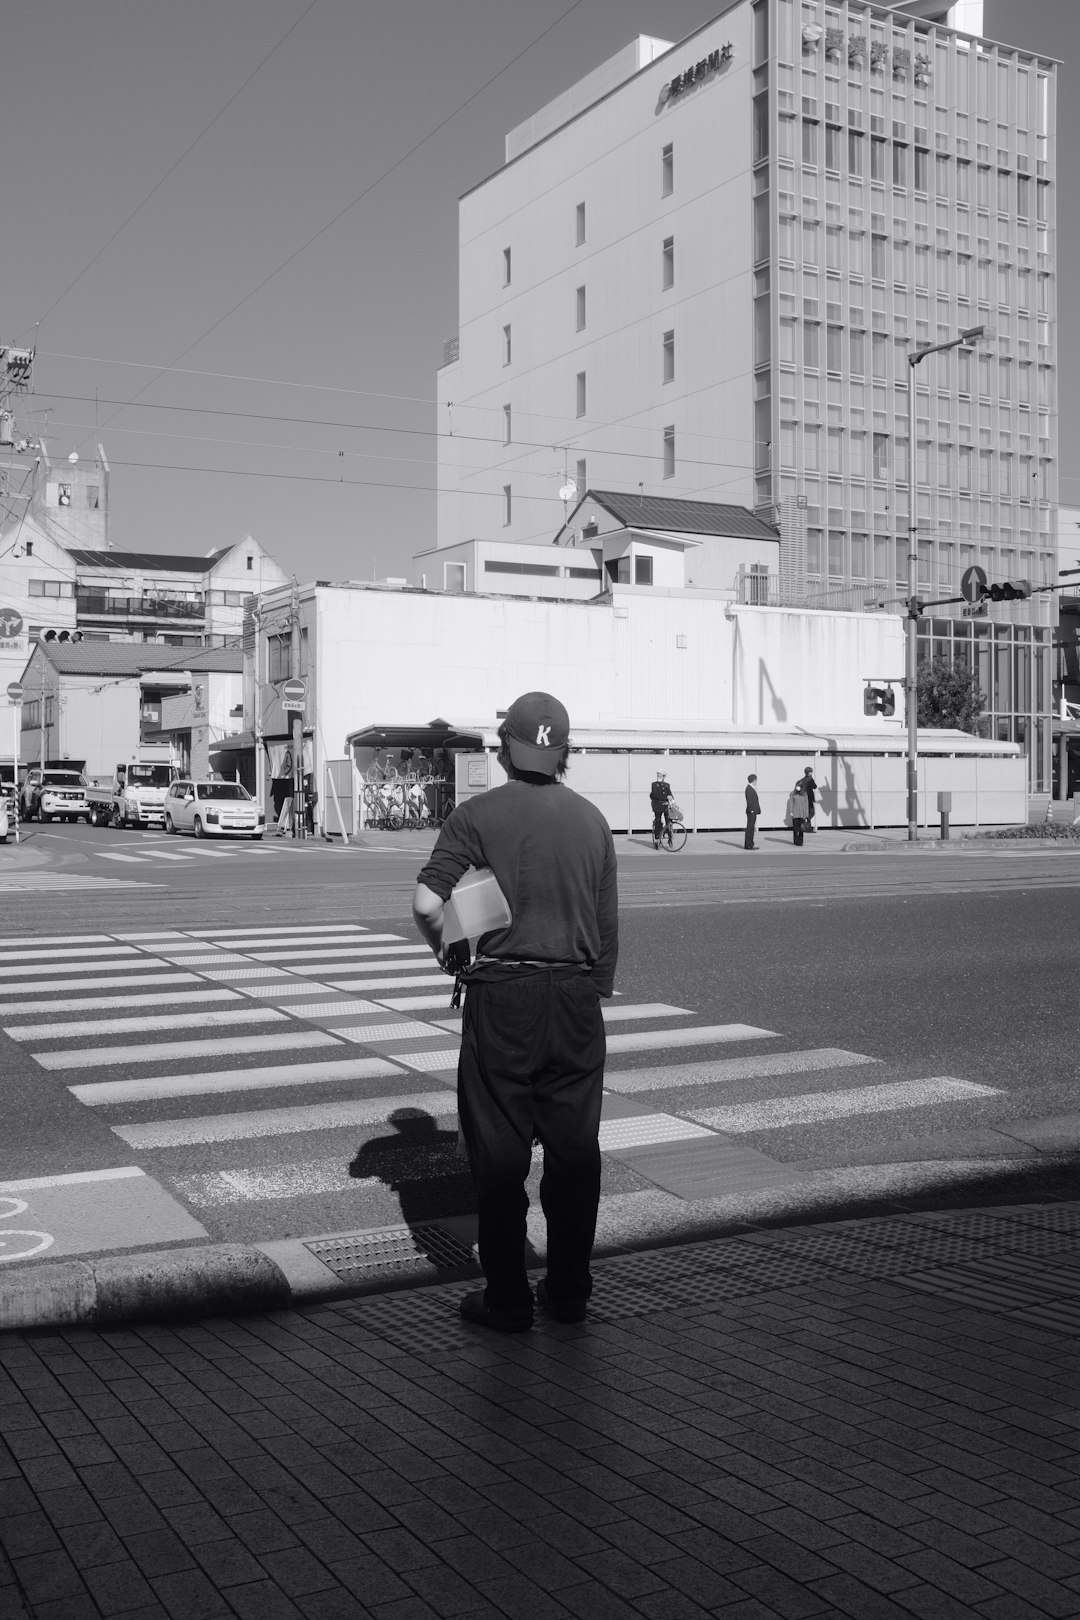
(967, 339)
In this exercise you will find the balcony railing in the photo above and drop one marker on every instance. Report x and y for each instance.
(759, 589)
(88, 605)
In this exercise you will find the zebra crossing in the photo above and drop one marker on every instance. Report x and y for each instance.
(249, 1065)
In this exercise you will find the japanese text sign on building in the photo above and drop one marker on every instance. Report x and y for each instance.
(700, 70)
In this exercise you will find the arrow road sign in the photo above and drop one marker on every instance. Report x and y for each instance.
(973, 584)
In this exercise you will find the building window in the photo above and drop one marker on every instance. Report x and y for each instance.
(93, 497)
(669, 451)
(454, 577)
(508, 506)
(581, 309)
(669, 357)
(881, 456)
(250, 564)
(63, 494)
(579, 224)
(506, 424)
(506, 267)
(899, 165)
(580, 397)
(667, 263)
(667, 171)
(278, 657)
(579, 477)
(506, 345)
(643, 570)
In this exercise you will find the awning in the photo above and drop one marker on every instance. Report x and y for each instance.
(436, 734)
(238, 742)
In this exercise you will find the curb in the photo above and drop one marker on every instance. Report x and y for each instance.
(230, 1278)
(215, 1279)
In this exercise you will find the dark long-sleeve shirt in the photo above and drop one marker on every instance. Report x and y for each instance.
(753, 803)
(553, 856)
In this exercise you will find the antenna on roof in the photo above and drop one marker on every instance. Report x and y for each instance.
(641, 496)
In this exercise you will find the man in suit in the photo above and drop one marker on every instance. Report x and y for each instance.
(809, 787)
(753, 810)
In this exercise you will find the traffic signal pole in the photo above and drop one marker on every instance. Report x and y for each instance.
(914, 607)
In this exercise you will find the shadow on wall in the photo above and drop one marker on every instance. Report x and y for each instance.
(779, 707)
(842, 806)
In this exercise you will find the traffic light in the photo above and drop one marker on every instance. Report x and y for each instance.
(1009, 590)
(878, 700)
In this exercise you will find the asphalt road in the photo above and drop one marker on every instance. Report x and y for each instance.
(246, 1040)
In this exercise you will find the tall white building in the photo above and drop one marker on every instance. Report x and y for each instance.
(699, 272)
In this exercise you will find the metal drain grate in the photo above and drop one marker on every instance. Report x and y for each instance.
(394, 1249)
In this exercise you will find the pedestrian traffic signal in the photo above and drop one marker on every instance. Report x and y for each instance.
(1009, 590)
(879, 700)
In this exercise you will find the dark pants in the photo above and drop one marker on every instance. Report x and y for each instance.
(532, 1067)
(751, 826)
(797, 827)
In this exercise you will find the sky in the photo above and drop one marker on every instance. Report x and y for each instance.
(230, 226)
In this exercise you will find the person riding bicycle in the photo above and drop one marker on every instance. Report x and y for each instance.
(660, 796)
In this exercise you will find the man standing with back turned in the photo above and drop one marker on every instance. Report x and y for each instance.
(532, 1047)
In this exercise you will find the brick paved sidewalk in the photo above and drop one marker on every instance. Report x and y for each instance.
(870, 1419)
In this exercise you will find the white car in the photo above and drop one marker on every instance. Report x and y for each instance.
(206, 808)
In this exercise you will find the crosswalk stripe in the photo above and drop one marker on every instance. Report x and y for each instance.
(366, 1034)
(400, 983)
(107, 855)
(672, 1077)
(126, 965)
(288, 929)
(818, 1105)
(57, 939)
(429, 1062)
(642, 1040)
(124, 1026)
(166, 1051)
(644, 1129)
(612, 1014)
(154, 933)
(60, 954)
(90, 985)
(24, 1009)
(357, 954)
(252, 945)
(416, 1003)
(208, 1189)
(166, 1133)
(172, 855)
(97, 1094)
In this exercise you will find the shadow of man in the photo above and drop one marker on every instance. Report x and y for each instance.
(423, 1166)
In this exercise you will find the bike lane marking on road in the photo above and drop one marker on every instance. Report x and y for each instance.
(95, 1210)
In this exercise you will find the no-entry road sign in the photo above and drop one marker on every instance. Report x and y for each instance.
(294, 696)
(15, 691)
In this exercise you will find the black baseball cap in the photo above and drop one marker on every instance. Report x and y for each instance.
(537, 729)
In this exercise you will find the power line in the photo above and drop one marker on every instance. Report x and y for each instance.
(124, 223)
(358, 199)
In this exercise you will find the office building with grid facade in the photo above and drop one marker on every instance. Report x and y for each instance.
(700, 272)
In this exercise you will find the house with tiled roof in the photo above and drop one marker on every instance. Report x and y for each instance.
(96, 704)
(638, 539)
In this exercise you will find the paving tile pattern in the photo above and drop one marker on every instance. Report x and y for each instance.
(801, 1438)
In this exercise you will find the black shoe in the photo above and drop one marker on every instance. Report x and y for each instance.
(560, 1310)
(475, 1310)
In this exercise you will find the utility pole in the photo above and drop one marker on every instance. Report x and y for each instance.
(299, 825)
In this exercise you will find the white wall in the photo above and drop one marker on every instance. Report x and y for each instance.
(610, 159)
(99, 721)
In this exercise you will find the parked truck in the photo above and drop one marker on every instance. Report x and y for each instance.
(134, 798)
